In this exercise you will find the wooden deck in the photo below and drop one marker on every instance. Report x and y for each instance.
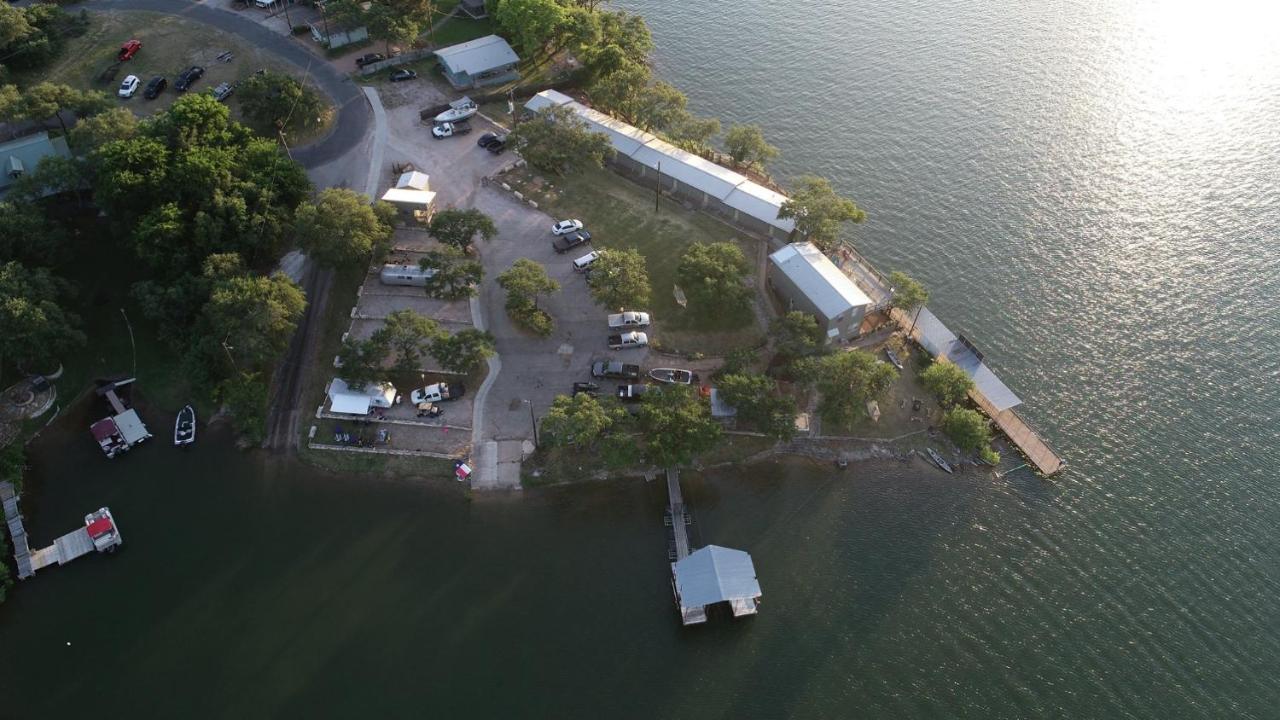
(18, 533)
(676, 502)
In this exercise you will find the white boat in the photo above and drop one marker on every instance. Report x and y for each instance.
(184, 427)
(458, 111)
(673, 375)
(102, 530)
(937, 459)
(893, 358)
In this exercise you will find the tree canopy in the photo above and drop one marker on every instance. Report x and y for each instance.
(619, 279)
(33, 36)
(968, 429)
(341, 229)
(463, 351)
(908, 293)
(525, 281)
(93, 132)
(555, 141)
(676, 426)
(819, 212)
(408, 335)
(948, 381)
(391, 21)
(252, 319)
(747, 146)
(34, 327)
(458, 227)
(578, 420)
(455, 275)
(712, 274)
(360, 361)
(846, 381)
(796, 335)
(275, 101)
(759, 402)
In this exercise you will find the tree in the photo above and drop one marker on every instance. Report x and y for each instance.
(758, 401)
(33, 326)
(525, 281)
(341, 229)
(711, 275)
(620, 279)
(27, 236)
(93, 132)
(391, 21)
(455, 275)
(458, 227)
(245, 396)
(555, 141)
(534, 26)
(946, 380)
(819, 212)
(463, 351)
(53, 175)
(693, 133)
(32, 36)
(746, 144)
(846, 381)
(908, 295)
(967, 428)
(579, 420)
(796, 335)
(49, 100)
(676, 426)
(408, 335)
(360, 361)
(252, 319)
(275, 101)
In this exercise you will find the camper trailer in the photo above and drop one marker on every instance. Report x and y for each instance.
(411, 275)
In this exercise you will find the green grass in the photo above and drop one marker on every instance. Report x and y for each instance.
(620, 214)
(460, 29)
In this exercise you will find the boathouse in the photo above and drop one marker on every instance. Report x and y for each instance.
(484, 61)
(808, 281)
(713, 575)
(652, 161)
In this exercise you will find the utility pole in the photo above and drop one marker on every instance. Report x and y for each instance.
(287, 19)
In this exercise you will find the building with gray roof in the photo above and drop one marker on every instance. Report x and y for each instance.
(484, 61)
(712, 575)
(21, 156)
(806, 280)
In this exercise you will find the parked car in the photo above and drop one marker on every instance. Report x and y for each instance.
(264, 3)
(223, 91)
(369, 59)
(444, 130)
(565, 243)
(155, 86)
(564, 227)
(497, 146)
(626, 340)
(615, 369)
(584, 262)
(128, 50)
(438, 392)
(629, 320)
(588, 388)
(403, 74)
(633, 393)
(188, 77)
(129, 86)
(486, 138)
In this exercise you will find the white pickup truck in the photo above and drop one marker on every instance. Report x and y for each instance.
(628, 340)
(628, 320)
(438, 392)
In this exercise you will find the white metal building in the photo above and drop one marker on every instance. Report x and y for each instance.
(484, 61)
(343, 399)
(808, 281)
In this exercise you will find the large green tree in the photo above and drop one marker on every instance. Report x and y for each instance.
(908, 295)
(969, 430)
(846, 381)
(251, 319)
(33, 36)
(556, 141)
(455, 275)
(27, 236)
(409, 335)
(759, 402)
(245, 396)
(947, 381)
(50, 100)
(578, 421)
(712, 274)
(275, 101)
(34, 327)
(536, 27)
(676, 426)
(463, 351)
(526, 281)
(796, 335)
(819, 212)
(341, 229)
(93, 132)
(620, 279)
(747, 146)
(360, 361)
(459, 227)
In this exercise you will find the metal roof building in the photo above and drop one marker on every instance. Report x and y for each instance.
(343, 399)
(729, 194)
(715, 574)
(21, 156)
(808, 281)
(941, 342)
(483, 61)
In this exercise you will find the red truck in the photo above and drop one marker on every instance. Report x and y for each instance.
(128, 50)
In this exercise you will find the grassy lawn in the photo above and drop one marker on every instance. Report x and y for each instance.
(170, 44)
(456, 30)
(620, 214)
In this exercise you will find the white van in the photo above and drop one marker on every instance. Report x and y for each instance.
(584, 262)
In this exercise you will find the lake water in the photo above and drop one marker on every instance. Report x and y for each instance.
(1091, 192)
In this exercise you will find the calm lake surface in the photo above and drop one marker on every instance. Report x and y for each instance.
(1092, 193)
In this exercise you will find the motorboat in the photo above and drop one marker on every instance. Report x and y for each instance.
(674, 376)
(937, 459)
(458, 111)
(893, 358)
(184, 427)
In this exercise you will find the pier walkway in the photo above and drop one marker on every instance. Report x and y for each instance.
(17, 533)
(675, 506)
(75, 544)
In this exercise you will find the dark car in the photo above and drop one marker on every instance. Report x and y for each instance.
(588, 388)
(403, 74)
(188, 77)
(369, 59)
(497, 146)
(155, 86)
(633, 393)
(615, 369)
(565, 243)
(486, 138)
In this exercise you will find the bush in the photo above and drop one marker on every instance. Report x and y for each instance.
(947, 381)
(967, 429)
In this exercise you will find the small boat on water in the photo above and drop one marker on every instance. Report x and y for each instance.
(184, 427)
(937, 459)
(458, 111)
(893, 358)
(674, 376)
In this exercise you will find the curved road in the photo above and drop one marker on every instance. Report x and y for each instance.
(354, 116)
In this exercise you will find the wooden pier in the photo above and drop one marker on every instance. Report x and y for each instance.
(677, 513)
(17, 533)
(99, 533)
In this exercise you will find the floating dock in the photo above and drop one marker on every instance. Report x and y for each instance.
(709, 575)
(98, 534)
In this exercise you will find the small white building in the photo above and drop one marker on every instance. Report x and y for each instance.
(348, 401)
(806, 280)
(414, 180)
(419, 204)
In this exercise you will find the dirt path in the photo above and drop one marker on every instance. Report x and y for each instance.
(284, 408)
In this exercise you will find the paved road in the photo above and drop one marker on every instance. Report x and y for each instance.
(354, 117)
